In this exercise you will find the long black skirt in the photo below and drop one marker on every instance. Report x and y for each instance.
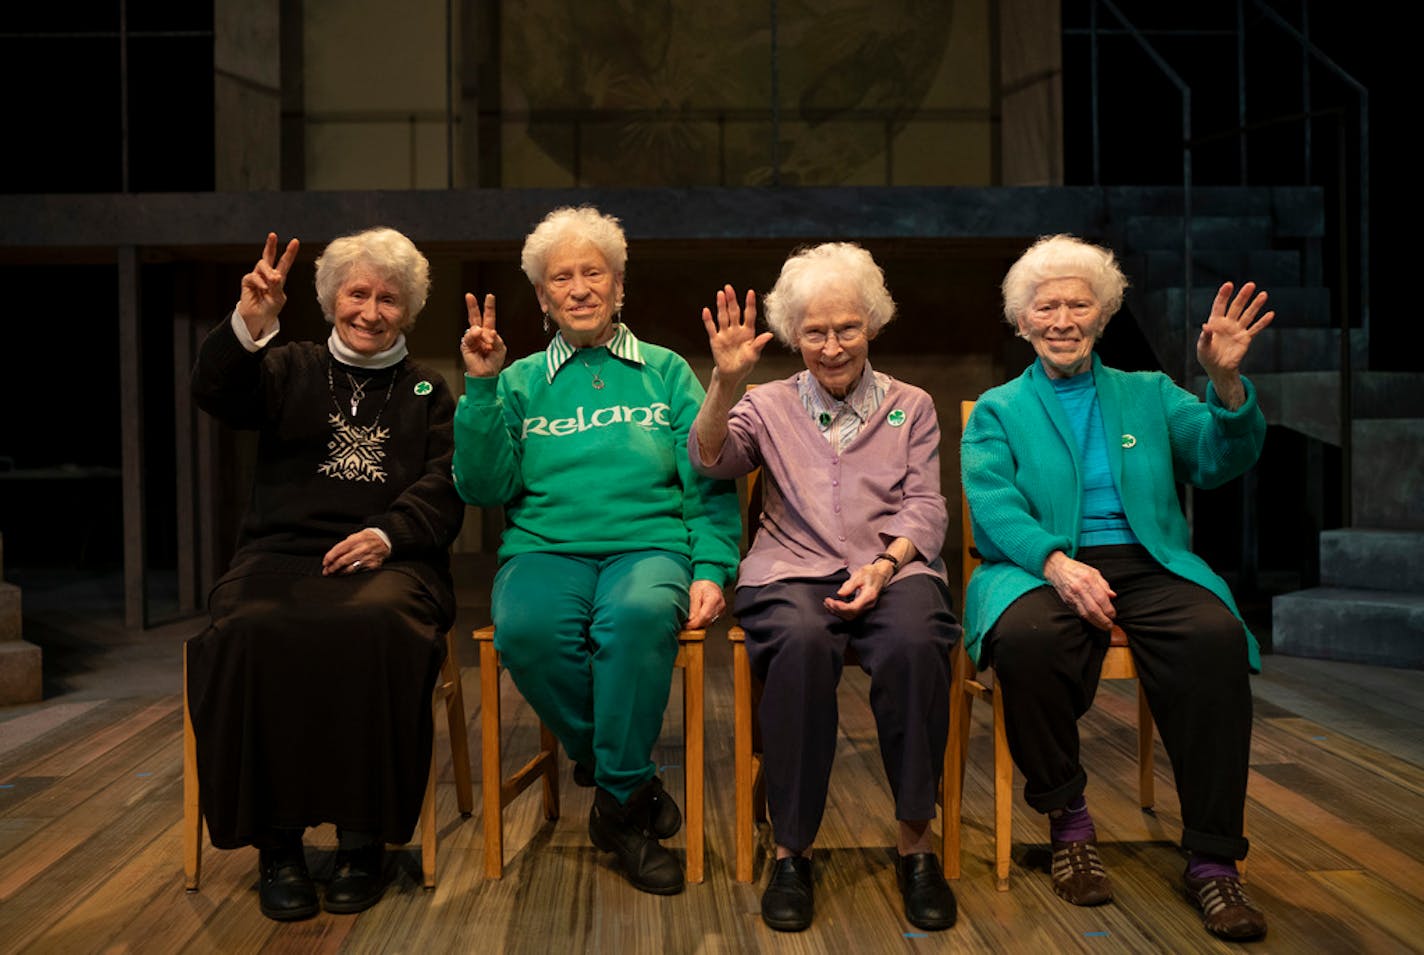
(310, 700)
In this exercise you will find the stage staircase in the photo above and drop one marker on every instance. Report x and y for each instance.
(1369, 606)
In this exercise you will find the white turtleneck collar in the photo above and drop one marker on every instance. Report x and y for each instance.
(355, 359)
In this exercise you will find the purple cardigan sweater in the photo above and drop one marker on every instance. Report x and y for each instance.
(824, 513)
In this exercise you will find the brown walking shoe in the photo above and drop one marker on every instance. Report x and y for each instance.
(1227, 911)
(1078, 874)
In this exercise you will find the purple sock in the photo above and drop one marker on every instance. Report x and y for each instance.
(1072, 823)
(1201, 866)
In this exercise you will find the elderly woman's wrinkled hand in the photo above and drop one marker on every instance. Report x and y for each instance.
(362, 551)
(736, 346)
(705, 604)
(863, 588)
(263, 289)
(1228, 332)
(1082, 588)
(481, 347)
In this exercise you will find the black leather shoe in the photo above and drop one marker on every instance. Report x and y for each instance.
(626, 831)
(666, 817)
(788, 902)
(358, 880)
(285, 890)
(929, 902)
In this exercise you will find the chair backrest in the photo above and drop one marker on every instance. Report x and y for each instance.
(968, 557)
(750, 491)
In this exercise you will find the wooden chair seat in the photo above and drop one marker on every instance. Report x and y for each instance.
(500, 791)
(447, 693)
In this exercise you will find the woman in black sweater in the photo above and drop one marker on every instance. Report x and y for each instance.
(310, 690)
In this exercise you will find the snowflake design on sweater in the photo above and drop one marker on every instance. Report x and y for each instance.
(356, 453)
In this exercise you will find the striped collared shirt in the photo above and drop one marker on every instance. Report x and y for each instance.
(622, 345)
(840, 421)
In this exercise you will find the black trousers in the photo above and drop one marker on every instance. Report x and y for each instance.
(797, 649)
(1191, 657)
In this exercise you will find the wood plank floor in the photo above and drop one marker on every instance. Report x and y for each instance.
(90, 807)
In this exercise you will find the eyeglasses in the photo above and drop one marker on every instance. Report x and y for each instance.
(846, 336)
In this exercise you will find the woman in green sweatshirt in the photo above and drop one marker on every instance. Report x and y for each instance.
(612, 541)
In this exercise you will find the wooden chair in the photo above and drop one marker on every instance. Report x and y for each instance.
(500, 791)
(447, 694)
(966, 686)
(746, 741)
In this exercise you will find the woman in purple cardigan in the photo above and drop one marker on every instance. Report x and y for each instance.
(847, 555)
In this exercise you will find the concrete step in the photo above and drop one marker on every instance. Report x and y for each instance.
(10, 625)
(1309, 401)
(1298, 211)
(1295, 307)
(1387, 480)
(1366, 559)
(21, 673)
(1208, 232)
(1271, 269)
(1361, 626)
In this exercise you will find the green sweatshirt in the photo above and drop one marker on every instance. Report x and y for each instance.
(595, 471)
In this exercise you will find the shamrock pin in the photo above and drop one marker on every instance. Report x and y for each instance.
(1129, 441)
(896, 418)
(423, 388)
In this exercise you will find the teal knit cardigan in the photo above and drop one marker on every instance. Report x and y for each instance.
(1023, 479)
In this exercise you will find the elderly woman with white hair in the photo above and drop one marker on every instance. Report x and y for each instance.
(612, 542)
(310, 690)
(1071, 473)
(847, 555)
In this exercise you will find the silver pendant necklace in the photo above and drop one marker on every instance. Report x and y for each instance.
(597, 378)
(358, 391)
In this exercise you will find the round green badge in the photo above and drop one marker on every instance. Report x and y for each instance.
(896, 418)
(423, 388)
(1128, 441)
(825, 419)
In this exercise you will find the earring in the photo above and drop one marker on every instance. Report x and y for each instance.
(546, 323)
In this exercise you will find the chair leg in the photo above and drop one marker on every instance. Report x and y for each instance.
(550, 746)
(692, 728)
(459, 736)
(491, 783)
(955, 759)
(192, 810)
(427, 826)
(1145, 784)
(1003, 795)
(742, 747)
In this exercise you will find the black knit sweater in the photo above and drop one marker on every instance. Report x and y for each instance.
(323, 474)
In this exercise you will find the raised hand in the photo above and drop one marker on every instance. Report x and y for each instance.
(481, 347)
(1229, 330)
(736, 346)
(263, 289)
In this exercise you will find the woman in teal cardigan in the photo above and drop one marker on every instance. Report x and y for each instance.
(1071, 471)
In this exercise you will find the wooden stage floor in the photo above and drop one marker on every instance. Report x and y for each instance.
(90, 807)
